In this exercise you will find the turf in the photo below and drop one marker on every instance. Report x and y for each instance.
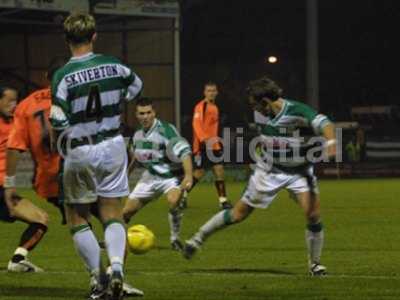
(262, 258)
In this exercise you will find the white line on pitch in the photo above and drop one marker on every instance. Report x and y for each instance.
(227, 273)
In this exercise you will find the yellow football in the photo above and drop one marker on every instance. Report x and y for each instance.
(140, 239)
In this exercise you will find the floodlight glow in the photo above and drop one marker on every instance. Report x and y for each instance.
(272, 59)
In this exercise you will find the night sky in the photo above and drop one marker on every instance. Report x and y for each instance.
(228, 41)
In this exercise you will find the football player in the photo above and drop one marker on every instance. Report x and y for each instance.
(166, 156)
(286, 163)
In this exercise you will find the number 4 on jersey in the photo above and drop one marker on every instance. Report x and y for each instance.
(94, 108)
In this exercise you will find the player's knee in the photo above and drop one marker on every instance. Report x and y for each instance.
(173, 202)
(43, 218)
(313, 217)
(238, 215)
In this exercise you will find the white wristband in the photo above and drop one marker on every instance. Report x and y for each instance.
(9, 181)
(330, 143)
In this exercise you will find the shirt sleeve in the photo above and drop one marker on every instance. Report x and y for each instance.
(178, 145)
(197, 124)
(19, 137)
(60, 108)
(134, 85)
(315, 120)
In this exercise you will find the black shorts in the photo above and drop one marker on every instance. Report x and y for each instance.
(4, 211)
(202, 161)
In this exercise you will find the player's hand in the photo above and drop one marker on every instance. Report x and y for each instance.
(187, 183)
(331, 152)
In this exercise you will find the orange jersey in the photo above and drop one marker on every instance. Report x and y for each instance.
(205, 125)
(5, 128)
(31, 131)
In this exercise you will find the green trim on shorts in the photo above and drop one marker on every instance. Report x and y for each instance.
(79, 228)
(113, 221)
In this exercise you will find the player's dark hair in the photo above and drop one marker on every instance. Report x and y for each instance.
(79, 28)
(264, 88)
(210, 83)
(55, 63)
(144, 102)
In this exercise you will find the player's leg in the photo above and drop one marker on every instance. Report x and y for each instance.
(78, 187)
(131, 208)
(112, 185)
(175, 216)
(314, 235)
(142, 194)
(37, 220)
(84, 239)
(260, 191)
(57, 203)
(305, 189)
(218, 171)
(115, 238)
(128, 289)
(221, 220)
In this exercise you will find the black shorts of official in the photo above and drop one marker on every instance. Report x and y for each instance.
(4, 211)
(202, 161)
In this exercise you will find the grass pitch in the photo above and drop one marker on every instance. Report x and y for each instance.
(262, 258)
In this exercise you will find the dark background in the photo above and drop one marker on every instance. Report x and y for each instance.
(229, 41)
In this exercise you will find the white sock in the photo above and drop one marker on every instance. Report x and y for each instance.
(115, 238)
(315, 242)
(174, 218)
(222, 199)
(21, 251)
(88, 247)
(217, 222)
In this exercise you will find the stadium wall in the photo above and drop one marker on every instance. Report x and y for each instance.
(145, 44)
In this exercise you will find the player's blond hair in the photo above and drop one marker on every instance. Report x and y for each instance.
(79, 28)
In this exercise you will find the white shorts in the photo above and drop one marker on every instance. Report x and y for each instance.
(263, 186)
(96, 170)
(150, 187)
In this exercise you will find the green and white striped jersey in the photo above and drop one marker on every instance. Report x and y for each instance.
(89, 90)
(288, 137)
(160, 149)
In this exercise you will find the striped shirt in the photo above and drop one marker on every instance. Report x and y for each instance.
(289, 134)
(89, 90)
(160, 149)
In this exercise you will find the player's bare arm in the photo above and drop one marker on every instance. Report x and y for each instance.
(187, 181)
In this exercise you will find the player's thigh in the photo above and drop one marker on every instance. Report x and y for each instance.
(111, 169)
(78, 178)
(262, 188)
(304, 188)
(77, 214)
(173, 196)
(110, 208)
(146, 189)
(241, 211)
(170, 187)
(131, 207)
(310, 204)
(24, 210)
